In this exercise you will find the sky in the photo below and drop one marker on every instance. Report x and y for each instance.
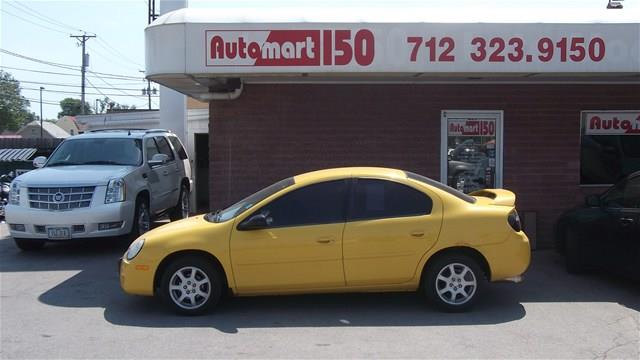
(41, 30)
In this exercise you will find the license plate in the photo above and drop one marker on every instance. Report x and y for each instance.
(58, 233)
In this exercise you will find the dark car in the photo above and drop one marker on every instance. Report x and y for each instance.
(605, 233)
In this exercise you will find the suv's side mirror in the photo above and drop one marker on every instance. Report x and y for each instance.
(255, 222)
(593, 200)
(158, 159)
(39, 161)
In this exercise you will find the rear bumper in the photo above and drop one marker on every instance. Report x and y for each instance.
(510, 259)
(34, 220)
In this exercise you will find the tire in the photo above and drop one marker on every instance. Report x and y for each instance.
(181, 210)
(29, 244)
(207, 295)
(446, 289)
(573, 254)
(141, 218)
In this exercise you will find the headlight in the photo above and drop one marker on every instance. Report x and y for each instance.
(134, 249)
(6, 188)
(14, 194)
(115, 191)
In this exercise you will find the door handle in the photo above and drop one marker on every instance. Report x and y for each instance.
(417, 233)
(626, 221)
(165, 172)
(325, 240)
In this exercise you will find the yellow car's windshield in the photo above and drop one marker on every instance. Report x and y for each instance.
(248, 202)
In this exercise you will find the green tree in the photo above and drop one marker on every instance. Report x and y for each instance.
(110, 105)
(71, 107)
(13, 106)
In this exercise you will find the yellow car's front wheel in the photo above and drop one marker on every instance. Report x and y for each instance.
(453, 282)
(191, 285)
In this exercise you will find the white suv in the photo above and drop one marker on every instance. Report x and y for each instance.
(103, 183)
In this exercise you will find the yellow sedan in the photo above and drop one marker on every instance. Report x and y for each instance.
(336, 230)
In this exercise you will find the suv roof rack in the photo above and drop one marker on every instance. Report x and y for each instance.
(130, 130)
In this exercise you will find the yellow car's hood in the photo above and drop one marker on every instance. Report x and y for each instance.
(190, 232)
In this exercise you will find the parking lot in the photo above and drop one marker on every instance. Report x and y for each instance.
(65, 302)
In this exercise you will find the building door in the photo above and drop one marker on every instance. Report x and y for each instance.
(471, 149)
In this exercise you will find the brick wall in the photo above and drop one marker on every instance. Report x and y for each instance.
(275, 131)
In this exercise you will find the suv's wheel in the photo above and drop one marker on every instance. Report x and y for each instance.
(191, 285)
(29, 244)
(181, 210)
(141, 218)
(453, 282)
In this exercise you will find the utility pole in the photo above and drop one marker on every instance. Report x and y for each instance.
(41, 88)
(152, 11)
(85, 57)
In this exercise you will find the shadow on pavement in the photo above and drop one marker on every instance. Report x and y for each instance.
(97, 285)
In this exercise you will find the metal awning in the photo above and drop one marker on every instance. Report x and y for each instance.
(16, 154)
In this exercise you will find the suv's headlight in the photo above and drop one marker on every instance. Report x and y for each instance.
(115, 191)
(134, 249)
(14, 194)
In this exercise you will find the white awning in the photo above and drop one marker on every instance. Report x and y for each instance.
(197, 51)
(16, 154)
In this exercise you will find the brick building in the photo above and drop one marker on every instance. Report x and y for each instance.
(551, 125)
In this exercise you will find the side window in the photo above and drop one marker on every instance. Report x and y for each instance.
(322, 203)
(164, 147)
(378, 199)
(177, 146)
(150, 148)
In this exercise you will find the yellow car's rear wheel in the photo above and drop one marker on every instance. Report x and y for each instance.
(191, 285)
(453, 282)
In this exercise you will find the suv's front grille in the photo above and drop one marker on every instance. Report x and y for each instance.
(60, 198)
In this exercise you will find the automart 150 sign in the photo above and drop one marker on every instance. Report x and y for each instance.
(611, 123)
(423, 47)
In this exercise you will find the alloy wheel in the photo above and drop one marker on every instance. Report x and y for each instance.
(456, 284)
(189, 287)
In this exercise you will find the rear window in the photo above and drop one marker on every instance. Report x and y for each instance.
(177, 145)
(441, 186)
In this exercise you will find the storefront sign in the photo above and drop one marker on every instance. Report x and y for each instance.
(612, 123)
(306, 47)
(471, 127)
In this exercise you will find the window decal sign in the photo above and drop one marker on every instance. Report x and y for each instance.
(612, 123)
(472, 127)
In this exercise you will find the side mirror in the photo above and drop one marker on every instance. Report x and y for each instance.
(592, 200)
(39, 161)
(256, 222)
(158, 159)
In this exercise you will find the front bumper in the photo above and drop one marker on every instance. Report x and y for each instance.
(35, 220)
(136, 279)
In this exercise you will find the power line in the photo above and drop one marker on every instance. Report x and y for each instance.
(116, 59)
(72, 85)
(117, 52)
(50, 63)
(31, 22)
(78, 93)
(67, 74)
(43, 17)
(48, 102)
(66, 66)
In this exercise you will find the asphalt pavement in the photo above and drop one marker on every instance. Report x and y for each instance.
(65, 302)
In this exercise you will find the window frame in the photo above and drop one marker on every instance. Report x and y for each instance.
(171, 139)
(348, 182)
(158, 139)
(581, 134)
(351, 204)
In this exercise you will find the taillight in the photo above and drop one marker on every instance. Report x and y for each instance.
(514, 220)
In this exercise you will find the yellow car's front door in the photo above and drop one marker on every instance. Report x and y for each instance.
(298, 247)
(389, 229)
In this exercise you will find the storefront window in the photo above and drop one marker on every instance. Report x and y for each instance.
(472, 151)
(610, 146)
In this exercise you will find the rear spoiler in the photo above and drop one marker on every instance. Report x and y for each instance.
(499, 196)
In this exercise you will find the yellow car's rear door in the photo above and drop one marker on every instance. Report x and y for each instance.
(390, 227)
(301, 248)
